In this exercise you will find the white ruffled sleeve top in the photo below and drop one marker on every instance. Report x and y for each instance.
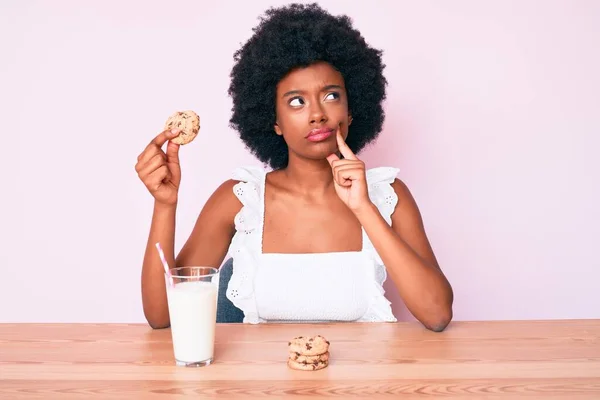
(312, 287)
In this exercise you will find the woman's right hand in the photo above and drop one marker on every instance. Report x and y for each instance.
(160, 171)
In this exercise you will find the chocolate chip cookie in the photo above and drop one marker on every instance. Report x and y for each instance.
(186, 121)
(299, 358)
(309, 346)
(307, 366)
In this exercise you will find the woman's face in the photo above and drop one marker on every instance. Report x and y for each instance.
(311, 104)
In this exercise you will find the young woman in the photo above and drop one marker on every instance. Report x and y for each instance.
(314, 237)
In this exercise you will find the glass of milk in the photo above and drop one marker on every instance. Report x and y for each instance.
(192, 297)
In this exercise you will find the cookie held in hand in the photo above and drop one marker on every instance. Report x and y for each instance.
(187, 122)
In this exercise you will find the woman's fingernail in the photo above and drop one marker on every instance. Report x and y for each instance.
(174, 131)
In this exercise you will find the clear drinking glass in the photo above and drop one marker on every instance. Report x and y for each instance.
(192, 296)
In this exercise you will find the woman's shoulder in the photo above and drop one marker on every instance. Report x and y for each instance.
(246, 184)
(391, 194)
(241, 179)
(249, 174)
(380, 175)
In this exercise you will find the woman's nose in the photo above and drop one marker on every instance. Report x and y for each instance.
(317, 114)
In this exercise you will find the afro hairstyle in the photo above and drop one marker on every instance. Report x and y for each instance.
(296, 36)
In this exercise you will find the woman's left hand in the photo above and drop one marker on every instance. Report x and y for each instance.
(349, 177)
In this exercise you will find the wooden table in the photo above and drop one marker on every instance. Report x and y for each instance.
(470, 360)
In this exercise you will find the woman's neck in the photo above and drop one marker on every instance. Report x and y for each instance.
(308, 177)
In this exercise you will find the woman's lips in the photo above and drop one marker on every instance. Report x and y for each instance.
(318, 135)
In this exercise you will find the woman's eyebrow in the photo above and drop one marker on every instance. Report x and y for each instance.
(292, 92)
(328, 87)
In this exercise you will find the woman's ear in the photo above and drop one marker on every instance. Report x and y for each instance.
(278, 129)
(349, 119)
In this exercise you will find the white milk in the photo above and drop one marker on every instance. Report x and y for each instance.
(193, 312)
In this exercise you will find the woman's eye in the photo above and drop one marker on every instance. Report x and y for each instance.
(332, 96)
(296, 102)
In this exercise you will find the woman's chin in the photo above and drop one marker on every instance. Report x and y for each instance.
(323, 150)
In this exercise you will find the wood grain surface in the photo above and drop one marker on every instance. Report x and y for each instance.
(470, 360)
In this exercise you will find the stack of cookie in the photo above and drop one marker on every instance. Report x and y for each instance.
(308, 353)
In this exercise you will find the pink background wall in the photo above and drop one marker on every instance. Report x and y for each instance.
(493, 118)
